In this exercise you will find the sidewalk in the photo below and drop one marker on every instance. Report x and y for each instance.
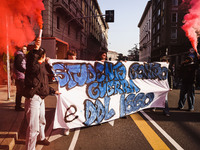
(11, 120)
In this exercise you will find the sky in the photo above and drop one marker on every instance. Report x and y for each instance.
(123, 34)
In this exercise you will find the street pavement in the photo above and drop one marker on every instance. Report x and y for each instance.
(13, 124)
(10, 121)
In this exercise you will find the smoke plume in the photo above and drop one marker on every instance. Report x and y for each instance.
(18, 18)
(192, 22)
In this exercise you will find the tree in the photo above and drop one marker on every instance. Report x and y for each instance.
(120, 57)
(133, 54)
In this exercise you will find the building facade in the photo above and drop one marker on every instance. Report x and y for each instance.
(145, 33)
(112, 55)
(168, 38)
(73, 24)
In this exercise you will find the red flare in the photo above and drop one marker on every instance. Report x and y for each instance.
(39, 18)
(40, 33)
(192, 22)
(17, 20)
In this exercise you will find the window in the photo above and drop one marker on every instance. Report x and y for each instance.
(154, 18)
(158, 26)
(163, 20)
(86, 11)
(163, 5)
(154, 6)
(158, 12)
(173, 33)
(149, 28)
(158, 39)
(58, 22)
(154, 42)
(154, 30)
(69, 29)
(174, 17)
(77, 35)
(174, 2)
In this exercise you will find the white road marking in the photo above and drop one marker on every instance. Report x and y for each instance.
(74, 140)
(172, 141)
(55, 135)
(48, 132)
(77, 131)
(111, 123)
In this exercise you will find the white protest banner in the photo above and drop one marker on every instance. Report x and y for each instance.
(93, 92)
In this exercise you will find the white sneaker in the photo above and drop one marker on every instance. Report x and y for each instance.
(66, 131)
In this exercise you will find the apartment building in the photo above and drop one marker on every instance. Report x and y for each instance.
(145, 33)
(168, 38)
(73, 24)
(112, 55)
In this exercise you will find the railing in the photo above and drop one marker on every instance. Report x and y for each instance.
(71, 8)
(65, 4)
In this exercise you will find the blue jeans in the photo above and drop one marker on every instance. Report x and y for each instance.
(187, 90)
(166, 109)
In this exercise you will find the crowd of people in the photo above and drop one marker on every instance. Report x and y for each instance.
(31, 80)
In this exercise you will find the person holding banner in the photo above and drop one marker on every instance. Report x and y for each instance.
(170, 82)
(71, 55)
(36, 89)
(101, 56)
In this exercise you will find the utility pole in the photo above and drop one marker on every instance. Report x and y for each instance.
(8, 59)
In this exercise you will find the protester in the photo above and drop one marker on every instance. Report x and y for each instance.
(175, 74)
(170, 82)
(187, 74)
(19, 71)
(36, 89)
(71, 55)
(193, 54)
(101, 56)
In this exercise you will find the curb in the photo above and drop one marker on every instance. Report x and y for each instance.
(11, 120)
(8, 139)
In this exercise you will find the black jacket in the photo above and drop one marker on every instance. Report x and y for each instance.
(187, 72)
(19, 65)
(36, 76)
(170, 80)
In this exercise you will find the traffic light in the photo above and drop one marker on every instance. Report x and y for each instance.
(109, 15)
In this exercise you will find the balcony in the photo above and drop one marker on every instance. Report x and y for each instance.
(145, 45)
(73, 9)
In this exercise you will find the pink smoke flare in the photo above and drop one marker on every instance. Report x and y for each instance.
(192, 22)
(18, 18)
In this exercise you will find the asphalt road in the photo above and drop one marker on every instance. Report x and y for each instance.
(179, 131)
